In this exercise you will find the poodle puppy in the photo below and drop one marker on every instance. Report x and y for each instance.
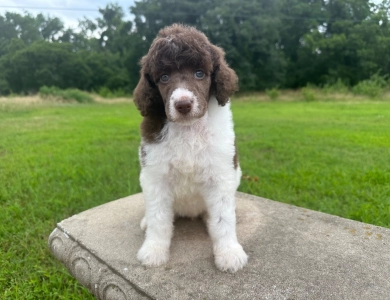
(189, 165)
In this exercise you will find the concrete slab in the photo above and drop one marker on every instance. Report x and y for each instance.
(294, 253)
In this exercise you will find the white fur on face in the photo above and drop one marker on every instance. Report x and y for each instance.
(178, 95)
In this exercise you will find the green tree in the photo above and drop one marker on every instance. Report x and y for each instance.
(44, 63)
(331, 50)
(298, 18)
(247, 30)
(284, 43)
(49, 28)
(152, 15)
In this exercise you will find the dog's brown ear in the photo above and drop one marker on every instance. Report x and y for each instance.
(224, 79)
(146, 95)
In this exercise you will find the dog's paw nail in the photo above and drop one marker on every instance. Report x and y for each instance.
(230, 258)
(153, 254)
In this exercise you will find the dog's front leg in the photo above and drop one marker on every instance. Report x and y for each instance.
(221, 222)
(159, 226)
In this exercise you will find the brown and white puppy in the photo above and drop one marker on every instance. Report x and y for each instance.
(188, 158)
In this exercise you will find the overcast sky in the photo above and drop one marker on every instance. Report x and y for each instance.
(69, 11)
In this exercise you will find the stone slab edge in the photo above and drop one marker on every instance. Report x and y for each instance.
(98, 277)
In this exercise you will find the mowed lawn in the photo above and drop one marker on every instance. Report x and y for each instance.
(60, 159)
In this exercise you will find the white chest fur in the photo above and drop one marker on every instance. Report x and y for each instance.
(189, 158)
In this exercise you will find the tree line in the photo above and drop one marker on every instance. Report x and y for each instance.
(269, 43)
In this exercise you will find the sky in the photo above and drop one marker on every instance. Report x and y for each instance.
(69, 11)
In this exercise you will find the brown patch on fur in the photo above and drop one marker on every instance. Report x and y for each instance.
(147, 97)
(185, 78)
(175, 49)
(143, 157)
(235, 157)
(224, 80)
(151, 128)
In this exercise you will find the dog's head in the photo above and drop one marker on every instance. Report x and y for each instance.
(180, 73)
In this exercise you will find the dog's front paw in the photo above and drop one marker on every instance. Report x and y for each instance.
(230, 258)
(153, 254)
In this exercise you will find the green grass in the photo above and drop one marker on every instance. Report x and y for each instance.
(327, 156)
(57, 160)
(54, 162)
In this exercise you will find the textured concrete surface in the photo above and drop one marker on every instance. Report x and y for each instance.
(294, 253)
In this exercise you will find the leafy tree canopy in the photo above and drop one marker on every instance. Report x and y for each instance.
(283, 43)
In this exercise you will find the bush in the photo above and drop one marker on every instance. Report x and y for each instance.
(105, 92)
(337, 87)
(373, 87)
(273, 93)
(75, 94)
(67, 94)
(308, 93)
(46, 91)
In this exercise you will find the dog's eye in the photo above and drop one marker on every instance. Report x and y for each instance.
(199, 74)
(164, 78)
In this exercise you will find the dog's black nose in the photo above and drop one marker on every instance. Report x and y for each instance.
(183, 106)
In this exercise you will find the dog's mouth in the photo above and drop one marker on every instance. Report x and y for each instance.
(187, 119)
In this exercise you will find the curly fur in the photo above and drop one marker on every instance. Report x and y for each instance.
(177, 47)
(189, 165)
